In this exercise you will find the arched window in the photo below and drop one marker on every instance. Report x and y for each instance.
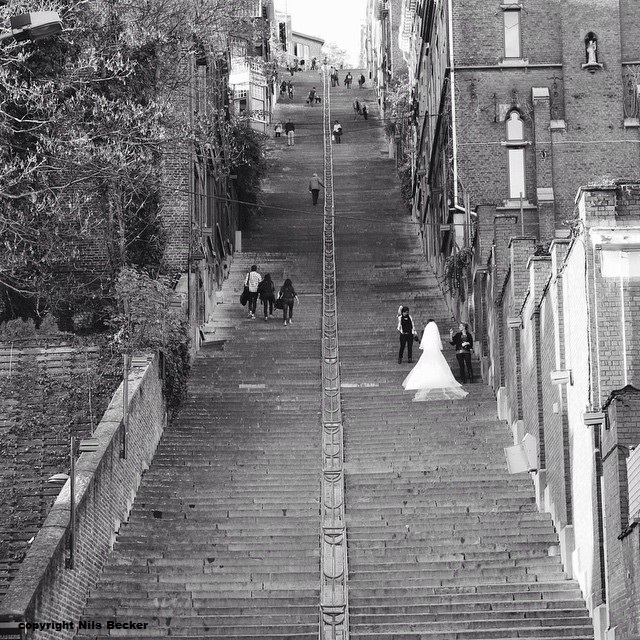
(515, 151)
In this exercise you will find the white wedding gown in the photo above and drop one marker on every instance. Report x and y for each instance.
(432, 377)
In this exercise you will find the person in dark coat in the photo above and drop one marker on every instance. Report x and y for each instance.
(407, 330)
(267, 293)
(463, 342)
(290, 130)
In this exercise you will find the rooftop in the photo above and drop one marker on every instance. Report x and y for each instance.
(308, 37)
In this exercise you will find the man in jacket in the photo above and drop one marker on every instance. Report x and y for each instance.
(252, 281)
(314, 187)
(463, 342)
(290, 130)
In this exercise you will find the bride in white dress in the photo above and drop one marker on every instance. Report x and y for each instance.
(432, 377)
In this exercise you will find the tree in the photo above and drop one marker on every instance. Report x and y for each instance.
(84, 120)
(335, 54)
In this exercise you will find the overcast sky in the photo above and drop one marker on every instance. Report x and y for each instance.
(334, 20)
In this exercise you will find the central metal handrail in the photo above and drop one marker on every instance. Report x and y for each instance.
(334, 602)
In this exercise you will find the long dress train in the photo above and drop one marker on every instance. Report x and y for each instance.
(431, 377)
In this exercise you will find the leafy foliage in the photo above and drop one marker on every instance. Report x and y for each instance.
(335, 54)
(148, 322)
(406, 184)
(85, 118)
(455, 267)
(398, 106)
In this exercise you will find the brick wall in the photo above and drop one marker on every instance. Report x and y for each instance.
(478, 32)
(485, 233)
(106, 485)
(539, 269)
(515, 291)
(398, 65)
(629, 29)
(582, 448)
(554, 444)
(575, 318)
(596, 144)
(623, 553)
(175, 209)
(510, 365)
(615, 300)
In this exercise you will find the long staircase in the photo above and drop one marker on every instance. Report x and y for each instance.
(224, 537)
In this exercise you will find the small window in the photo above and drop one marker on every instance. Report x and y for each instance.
(620, 264)
(512, 47)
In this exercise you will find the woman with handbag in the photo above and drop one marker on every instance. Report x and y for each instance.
(286, 297)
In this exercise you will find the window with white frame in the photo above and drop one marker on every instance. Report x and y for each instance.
(512, 28)
(620, 263)
(240, 91)
(516, 157)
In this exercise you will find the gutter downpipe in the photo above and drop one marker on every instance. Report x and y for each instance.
(452, 89)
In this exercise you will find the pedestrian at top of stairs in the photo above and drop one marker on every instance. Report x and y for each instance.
(252, 281)
(407, 330)
(288, 296)
(314, 187)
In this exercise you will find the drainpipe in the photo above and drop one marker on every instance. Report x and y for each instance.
(452, 89)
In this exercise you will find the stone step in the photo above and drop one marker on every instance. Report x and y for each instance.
(510, 591)
(419, 632)
(460, 607)
(519, 618)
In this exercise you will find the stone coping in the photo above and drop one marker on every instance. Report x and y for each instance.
(49, 549)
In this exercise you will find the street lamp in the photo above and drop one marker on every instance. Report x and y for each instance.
(33, 26)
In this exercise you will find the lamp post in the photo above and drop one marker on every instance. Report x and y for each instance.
(88, 445)
(32, 26)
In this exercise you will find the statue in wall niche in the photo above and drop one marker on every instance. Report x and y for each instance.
(631, 94)
(592, 50)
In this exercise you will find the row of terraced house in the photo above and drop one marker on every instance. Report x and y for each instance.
(523, 138)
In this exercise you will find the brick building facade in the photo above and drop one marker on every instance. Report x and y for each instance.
(199, 207)
(563, 360)
(517, 106)
(382, 54)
